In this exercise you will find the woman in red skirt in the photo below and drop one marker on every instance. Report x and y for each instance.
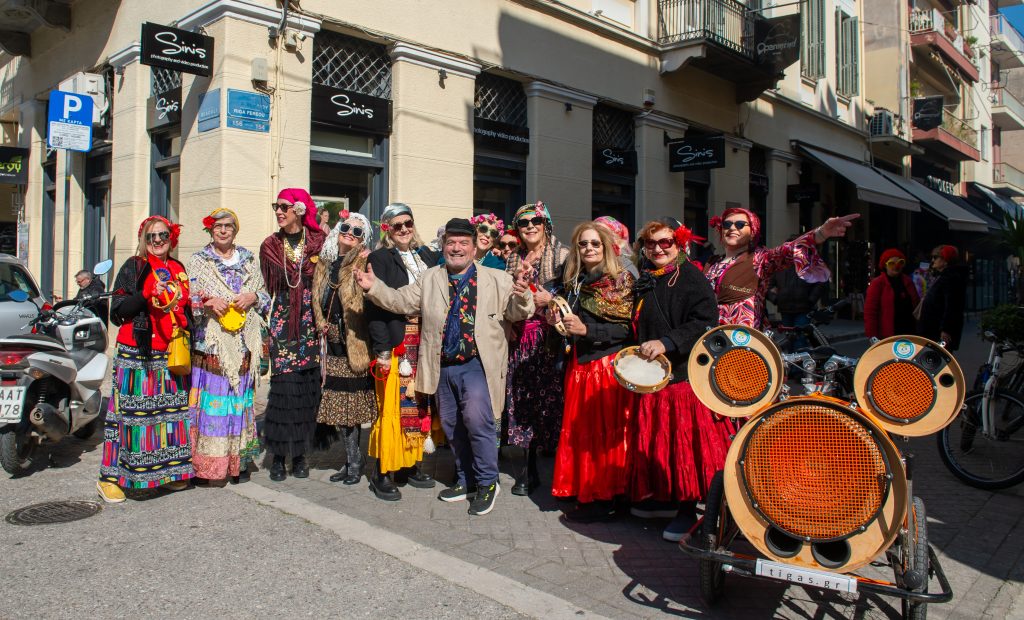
(676, 443)
(590, 464)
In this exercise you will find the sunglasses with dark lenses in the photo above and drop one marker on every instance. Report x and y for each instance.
(740, 225)
(355, 231)
(163, 235)
(400, 225)
(488, 230)
(664, 244)
(508, 245)
(279, 207)
(594, 243)
(536, 221)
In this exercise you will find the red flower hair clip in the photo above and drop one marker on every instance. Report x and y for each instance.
(385, 227)
(716, 222)
(344, 214)
(208, 223)
(684, 236)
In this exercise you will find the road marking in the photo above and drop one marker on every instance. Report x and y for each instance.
(505, 590)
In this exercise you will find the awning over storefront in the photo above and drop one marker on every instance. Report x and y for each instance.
(957, 217)
(1003, 202)
(971, 207)
(871, 186)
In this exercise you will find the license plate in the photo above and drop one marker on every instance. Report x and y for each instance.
(804, 576)
(12, 400)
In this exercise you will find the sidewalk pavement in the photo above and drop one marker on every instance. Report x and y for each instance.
(623, 569)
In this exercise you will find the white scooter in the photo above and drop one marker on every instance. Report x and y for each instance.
(50, 379)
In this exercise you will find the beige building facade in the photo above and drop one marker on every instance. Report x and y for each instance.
(453, 108)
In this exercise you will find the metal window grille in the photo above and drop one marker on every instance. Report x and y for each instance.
(847, 55)
(812, 40)
(351, 64)
(500, 99)
(613, 128)
(164, 80)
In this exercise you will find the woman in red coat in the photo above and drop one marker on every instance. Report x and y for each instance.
(891, 299)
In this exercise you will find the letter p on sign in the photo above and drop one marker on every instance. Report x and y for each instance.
(71, 104)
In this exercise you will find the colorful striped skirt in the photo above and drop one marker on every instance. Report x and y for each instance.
(146, 433)
(223, 419)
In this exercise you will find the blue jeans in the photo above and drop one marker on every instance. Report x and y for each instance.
(464, 404)
(796, 319)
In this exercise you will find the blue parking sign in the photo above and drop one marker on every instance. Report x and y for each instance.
(69, 121)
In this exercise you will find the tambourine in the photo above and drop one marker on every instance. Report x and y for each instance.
(560, 304)
(232, 320)
(639, 375)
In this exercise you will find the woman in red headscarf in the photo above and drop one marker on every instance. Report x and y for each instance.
(890, 299)
(146, 431)
(742, 275)
(287, 260)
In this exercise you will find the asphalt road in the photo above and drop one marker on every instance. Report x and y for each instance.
(201, 553)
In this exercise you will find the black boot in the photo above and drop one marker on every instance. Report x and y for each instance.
(522, 485)
(354, 455)
(299, 467)
(420, 479)
(384, 487)
(277, 471)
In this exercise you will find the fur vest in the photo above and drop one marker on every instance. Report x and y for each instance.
(357, 332)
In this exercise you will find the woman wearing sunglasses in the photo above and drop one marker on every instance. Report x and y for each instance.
(534, 400)
(941, 317)
(227, 345)
(507, 244)
(146, 432)
(677, 444)
(590, 463)
(890, 299)
(287, 260)
(489, 229)
(348, 399)
(404, 421)
(741, 276)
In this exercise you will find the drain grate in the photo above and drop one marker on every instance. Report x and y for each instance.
(53, 512)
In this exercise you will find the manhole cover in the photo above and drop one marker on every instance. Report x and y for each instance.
(53, 512)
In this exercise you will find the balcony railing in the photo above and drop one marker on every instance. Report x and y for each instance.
(725, 22)
(1002, 27)
(1008, 175)
(959, 129)
(931, 20)
(1003, 97)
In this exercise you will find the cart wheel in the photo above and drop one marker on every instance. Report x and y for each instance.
(915, 558)
(712, 576)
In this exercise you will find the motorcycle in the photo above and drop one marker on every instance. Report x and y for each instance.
(50, 379)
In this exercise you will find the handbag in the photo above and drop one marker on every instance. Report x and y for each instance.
(179, 350)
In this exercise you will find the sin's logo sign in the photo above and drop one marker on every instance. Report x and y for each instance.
(696, 154)
(173, 47)
(347, 107)
(611, 158)
(176, 49)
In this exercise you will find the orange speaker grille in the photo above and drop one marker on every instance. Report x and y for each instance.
(902, 391)
(741, 375)
(814, 471)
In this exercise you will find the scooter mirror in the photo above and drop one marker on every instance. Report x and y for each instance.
(18, 295)
(102, 267)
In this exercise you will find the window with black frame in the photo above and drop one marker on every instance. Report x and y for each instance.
(501, 140)
(165, 135)
(614, 165)
(348, 153)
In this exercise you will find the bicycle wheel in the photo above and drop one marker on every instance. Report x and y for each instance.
(994, 462)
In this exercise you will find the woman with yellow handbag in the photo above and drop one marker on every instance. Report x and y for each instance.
(146, 432)
(227, 297)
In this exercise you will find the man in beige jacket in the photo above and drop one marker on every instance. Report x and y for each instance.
(463, 356)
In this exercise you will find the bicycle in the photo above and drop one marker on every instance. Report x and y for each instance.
(985, 446)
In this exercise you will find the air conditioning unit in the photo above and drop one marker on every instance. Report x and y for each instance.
(883, 122)
(91, 84)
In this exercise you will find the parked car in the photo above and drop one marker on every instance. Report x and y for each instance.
(15, 316)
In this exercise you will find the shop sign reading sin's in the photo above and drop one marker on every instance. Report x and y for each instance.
(176, 49)
(344, 108)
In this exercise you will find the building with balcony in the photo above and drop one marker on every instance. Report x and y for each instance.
(483, 105)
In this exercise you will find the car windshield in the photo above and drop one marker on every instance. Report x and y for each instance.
(14, 277)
